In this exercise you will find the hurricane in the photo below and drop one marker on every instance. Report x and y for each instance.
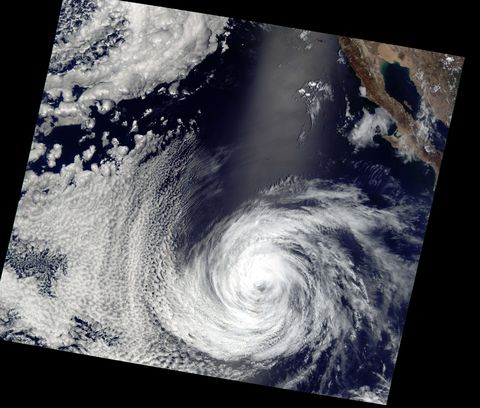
(268, 280)
(301, 269)
(172, 216)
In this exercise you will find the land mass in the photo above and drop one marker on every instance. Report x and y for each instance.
(435, 76)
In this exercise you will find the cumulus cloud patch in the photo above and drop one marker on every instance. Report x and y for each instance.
(370, 125)
(37, 150)
(157, 45)
(304, 36)
(314, 94)
(88, 154)
(54, 154)
(295, 270)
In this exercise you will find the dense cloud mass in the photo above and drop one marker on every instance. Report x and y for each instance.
(120, 50)
(277, 271)
(200, 197)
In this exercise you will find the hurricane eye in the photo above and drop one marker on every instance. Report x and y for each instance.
(261, 286)
(225, 197)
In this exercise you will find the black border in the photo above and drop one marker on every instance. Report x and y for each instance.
(436, 345)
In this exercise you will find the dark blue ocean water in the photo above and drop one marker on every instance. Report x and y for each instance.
(226, 119)
(399, 86)
(440, 135)
(250, 107)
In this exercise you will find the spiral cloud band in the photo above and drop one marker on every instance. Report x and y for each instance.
(271, 280)
(268, 280)
(195, 201)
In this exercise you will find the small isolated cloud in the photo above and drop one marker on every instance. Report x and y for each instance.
(105, 141)
(54, 154)
(304, 37)
(314, 94)
(147, 112)
(37, 151)
(134, 127)
(88, 154)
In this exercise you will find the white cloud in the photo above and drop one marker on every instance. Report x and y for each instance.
(314, 94)
(54, 154)
(88, 136)
(116, 117)
(88, 154)
(368, 126)
(160, 45)
(134, 127)
(105, 141)
(118, 226)
(224, 41)
(147, 112)
(119, 222)
(37, 151)
(348, 114)
(304, 36)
